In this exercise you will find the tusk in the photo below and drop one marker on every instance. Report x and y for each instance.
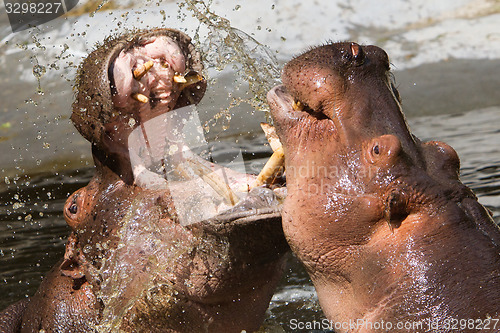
(140, 97)
(271, 169)
(190, 79)
(212, 179)
(275, 163)
(179, 79)
(271, 136)
(140, 71)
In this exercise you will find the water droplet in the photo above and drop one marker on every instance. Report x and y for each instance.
(131, 122)
(173, 149)
(39, 71)
(87, 248)
(17, 205)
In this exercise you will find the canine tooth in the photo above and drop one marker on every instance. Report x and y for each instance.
(191, 79)
(212, 179)
(271, 136)
(275, 163)
(179, 79)
(140, 71)
(271, 169)
(298, 106)
(140, 98)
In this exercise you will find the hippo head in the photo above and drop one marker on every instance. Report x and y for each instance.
(129, 80)
(374, 214)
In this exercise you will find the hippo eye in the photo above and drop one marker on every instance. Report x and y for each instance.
(73, 209)
(376, 149)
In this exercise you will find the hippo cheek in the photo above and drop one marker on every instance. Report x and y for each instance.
(299, 128)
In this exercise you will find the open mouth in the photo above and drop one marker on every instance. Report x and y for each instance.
(149, 77)
(297, 105)
(280, 99)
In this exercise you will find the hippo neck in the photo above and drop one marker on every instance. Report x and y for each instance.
(107, 163)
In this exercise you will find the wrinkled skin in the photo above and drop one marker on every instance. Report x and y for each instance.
(381, 221)
(129, 265)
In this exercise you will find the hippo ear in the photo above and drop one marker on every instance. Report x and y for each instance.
(383, 150)
(71, 265)
(396, 209)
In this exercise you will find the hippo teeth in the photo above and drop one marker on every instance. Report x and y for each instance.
(189, 79)
(140, 98)
(183, 81)
(210, 177)
(140, 71)
(298, 105)
(179, 79)
(274, 166)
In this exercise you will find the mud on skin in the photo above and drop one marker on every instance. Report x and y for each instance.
(129, 265)
(380, 219)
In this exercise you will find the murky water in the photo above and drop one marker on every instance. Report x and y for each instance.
(455, 101)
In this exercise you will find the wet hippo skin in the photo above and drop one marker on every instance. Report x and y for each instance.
(380, 219)
(129, 264)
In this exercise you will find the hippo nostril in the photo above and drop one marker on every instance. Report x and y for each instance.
(396, 209)
(357, 53)
(73, 209)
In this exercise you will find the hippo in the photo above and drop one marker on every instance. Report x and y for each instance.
(130, 263)
(391, 238)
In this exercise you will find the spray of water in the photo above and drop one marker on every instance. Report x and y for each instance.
(225, 46)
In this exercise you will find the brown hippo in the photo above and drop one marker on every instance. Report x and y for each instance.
(130, 264)
(386, 230)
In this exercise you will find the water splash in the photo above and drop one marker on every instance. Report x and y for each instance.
(139, 265)
(254, 64)
(224, 48)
